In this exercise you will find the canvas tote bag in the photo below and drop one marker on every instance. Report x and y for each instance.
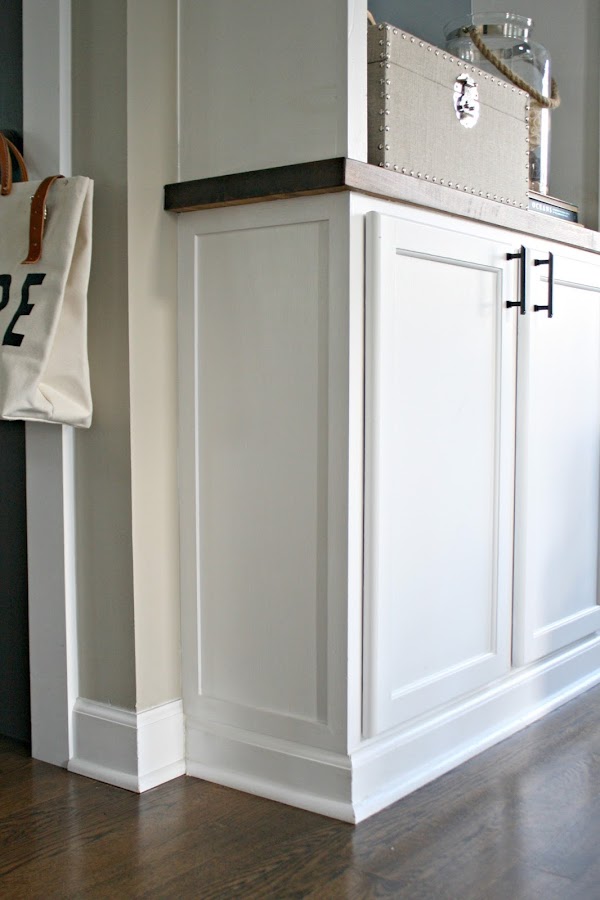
(45, 254)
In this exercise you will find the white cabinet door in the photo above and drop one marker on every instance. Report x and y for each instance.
(439, 465)
(558, 460)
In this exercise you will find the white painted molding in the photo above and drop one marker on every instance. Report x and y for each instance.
(47, 86)
(52, 614)
(389, 768)
(135, 751)
(302, 776)
(386, 768)
(49, 453)
(356, 74)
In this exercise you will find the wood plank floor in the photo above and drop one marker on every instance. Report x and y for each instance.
(519, 822)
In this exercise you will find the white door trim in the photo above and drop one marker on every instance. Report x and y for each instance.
(49, 448)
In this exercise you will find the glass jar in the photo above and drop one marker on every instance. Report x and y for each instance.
(508, 36)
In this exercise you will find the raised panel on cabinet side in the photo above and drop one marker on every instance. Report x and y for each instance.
(440, 353)
(262, 340)
(266, 344)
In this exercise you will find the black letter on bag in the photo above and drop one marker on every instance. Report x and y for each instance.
(10, 338)
(5, 285)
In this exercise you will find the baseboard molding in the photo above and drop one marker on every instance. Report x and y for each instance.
(388, 769)
(305, 777)
(324, 806)
(135, 751)
(385, 769)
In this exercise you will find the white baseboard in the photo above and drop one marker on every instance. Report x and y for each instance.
(135, 751)
(389, 768)
(386, 768)
(317, 780)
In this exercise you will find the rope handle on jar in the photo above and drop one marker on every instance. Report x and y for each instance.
(551, 102)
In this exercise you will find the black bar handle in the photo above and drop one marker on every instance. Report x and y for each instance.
(522, 303)
(550, 305)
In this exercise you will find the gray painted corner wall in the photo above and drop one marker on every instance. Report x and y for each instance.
(105, 614)
(125, 138)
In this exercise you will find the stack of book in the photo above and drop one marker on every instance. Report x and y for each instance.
(552, 206)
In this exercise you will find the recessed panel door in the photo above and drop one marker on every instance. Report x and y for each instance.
(440, 383)
(558, 459)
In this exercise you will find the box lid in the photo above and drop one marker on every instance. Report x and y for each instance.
(391, 46)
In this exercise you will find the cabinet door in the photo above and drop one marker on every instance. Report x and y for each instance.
(439, 465)
(558, 460)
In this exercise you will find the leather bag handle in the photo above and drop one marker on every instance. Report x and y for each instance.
(6, 180)
(37, 220)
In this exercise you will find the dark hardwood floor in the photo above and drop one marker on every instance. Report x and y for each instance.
(519, 822)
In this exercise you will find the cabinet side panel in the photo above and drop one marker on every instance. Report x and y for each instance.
(262, 407)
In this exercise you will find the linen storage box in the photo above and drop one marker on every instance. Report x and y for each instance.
(442, 120)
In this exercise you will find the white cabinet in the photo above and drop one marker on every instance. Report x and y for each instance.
(439, 406)
(558, 457)
(389, 492)
(442, 310)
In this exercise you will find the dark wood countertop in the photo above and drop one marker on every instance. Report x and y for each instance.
(340, 174)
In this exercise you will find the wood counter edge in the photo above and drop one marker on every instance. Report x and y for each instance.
(341, 174)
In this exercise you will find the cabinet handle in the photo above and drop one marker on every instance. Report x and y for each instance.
(522, 272)
(550, 263)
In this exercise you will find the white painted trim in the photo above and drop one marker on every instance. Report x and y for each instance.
(52, 614)
(356, 75)
(47, 86)
(262, 787)
(387, 768)
(317, 780)
(49, 453)
(135, 751)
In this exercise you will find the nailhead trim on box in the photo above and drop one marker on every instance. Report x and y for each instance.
(385, 57)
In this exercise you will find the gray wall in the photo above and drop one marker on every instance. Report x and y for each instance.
(426, 18)
(11, 76)
(105, 615)
(125, 138)
(14, 632)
